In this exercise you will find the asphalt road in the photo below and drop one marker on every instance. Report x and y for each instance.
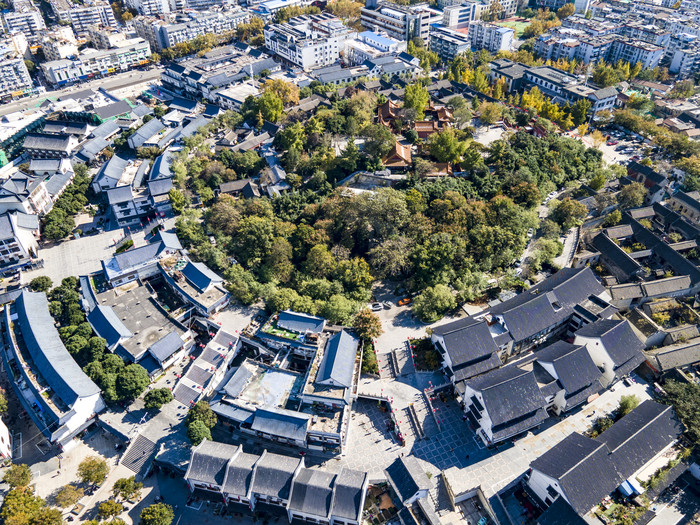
(121, 80)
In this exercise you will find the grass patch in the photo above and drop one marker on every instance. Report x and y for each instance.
(519, 27)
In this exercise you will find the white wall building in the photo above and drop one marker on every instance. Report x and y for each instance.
(308, 41)
(368, 45)
(93, 15)
(91, 62)
(400, 22)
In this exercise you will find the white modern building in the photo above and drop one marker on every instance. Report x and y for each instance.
(97, 14)
(91, 62)
(188, 26)
(369, 45)
(27, 20)
(14, 76)
(309, 41)
(400, 22)
(460, 15)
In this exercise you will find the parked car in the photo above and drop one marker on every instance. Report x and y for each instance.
(376, 307)
(388, 304)
(612, 142)
(530, 233)
(404, 301)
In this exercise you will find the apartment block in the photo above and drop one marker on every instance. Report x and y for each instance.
(400, 22)
(98, 14)
(14, 76)
(309, 41)
(460, 15)
(103, 37)
(27, 20)
(686, 61)
(150, 7)
(93, 63)
(491, 37)
(448, 43)
(184, 27)
(633, 51)
(57, 49)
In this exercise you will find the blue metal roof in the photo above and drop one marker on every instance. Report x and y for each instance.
(338, 361)
(107, 325)
(200, 276)
(46, 349)
(166, 346)
(300, 323)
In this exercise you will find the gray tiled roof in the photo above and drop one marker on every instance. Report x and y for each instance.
(113, 169)
(209, 460)
(200, 276)
(407, 477)
(273, 475)
(349, 493)
(640, 436)
(615, 254)
(573, 365)
(470, 346)
(166, 346)
(113, 110)
(560, 513)
(119, 195)
(39, 141)
(574, 462)
(509, 393)
(239, 474)
(50, 357)
(338, 363)
(620, 342)
(300, 323)
(107, 325)
(312, 492)
(281, 422)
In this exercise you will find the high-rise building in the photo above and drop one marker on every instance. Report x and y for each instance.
(399, 21)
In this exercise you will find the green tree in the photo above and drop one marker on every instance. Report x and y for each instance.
(416, 97)
(632, 195)
(568, 213)
(41, 284)
(46, 516)
(579, 110)
(338, 309)
(68, 495)
(3, 401)
(379, 141)
(93, 469)
(132, 381)
(158, 514)
(434, 302)
(197, 432)
(109, 509)
(685, 398)
(490, 112)
(612, 219)
(18, 475)
(200, 411)
(627, 404)
(446, 147)
(127, 488)
(20, 507)
(177, 200)
(565, 11)
(367, 324)
(270, 106)
(158, 397)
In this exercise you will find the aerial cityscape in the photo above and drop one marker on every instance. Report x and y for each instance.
(336, 262)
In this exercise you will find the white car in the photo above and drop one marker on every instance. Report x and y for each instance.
(530, 233)
(376, 307)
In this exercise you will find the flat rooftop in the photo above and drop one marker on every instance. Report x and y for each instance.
(260, 385)
(141, 314)
(207, 298)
